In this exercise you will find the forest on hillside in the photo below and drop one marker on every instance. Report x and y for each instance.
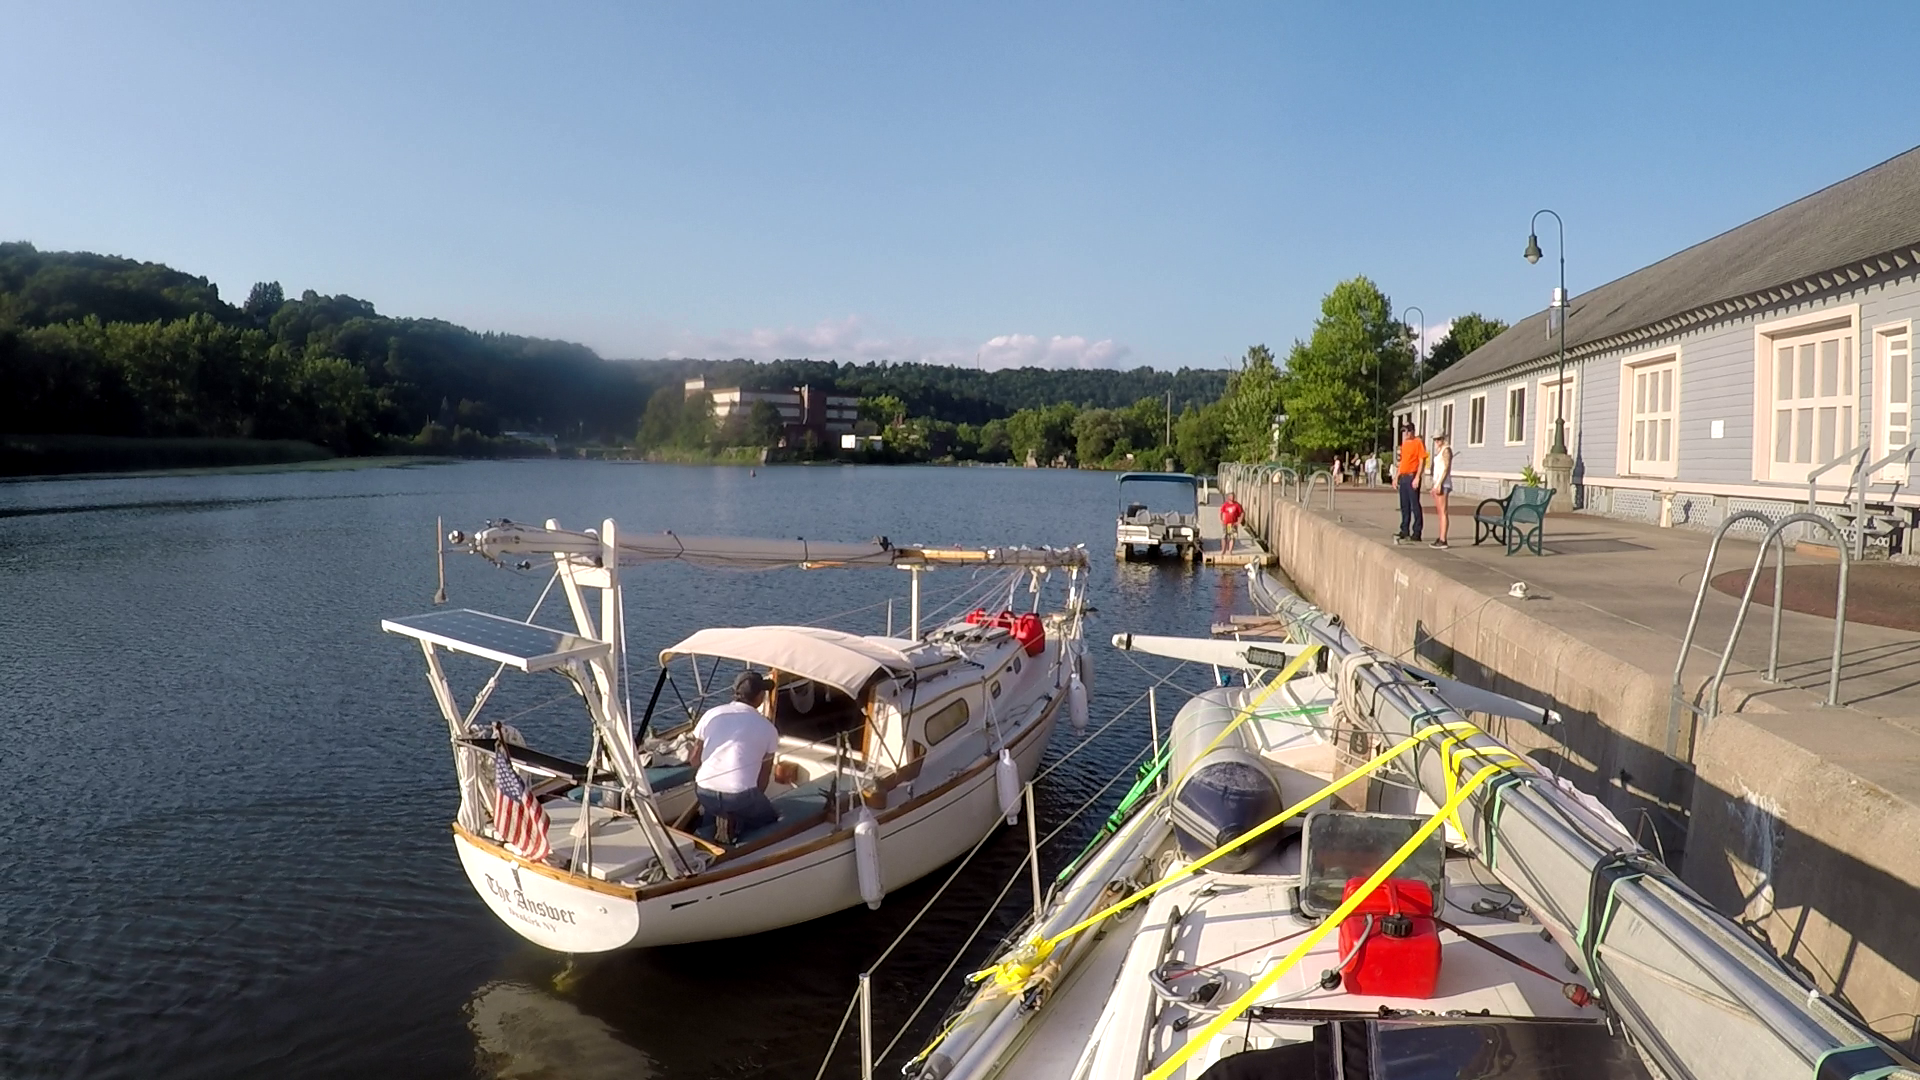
(103, 345)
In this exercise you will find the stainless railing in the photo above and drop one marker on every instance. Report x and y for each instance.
(1709, 706)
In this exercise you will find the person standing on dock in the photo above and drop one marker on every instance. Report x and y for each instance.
(1230, 513)
(1413, 460)
(1442, 484)
(1373, 468)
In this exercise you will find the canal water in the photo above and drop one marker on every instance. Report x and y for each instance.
(224, 845)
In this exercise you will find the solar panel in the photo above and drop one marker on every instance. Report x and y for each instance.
(517, 644)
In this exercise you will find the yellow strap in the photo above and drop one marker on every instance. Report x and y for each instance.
(1012, 974)
(1260, 830)
(1259, 989)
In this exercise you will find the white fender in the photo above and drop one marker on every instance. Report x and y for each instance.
(866, 858)
(1077, 703)
(1006, 776)
(1083, 666)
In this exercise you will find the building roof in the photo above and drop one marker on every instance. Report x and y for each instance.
(1863, 227)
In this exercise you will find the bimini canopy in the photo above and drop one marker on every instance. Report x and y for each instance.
(846, 662)
(1159, 478)
(749, 553)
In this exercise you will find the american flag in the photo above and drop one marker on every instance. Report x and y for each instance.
(518, 818)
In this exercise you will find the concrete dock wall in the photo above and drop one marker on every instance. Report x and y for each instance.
(1802, 826)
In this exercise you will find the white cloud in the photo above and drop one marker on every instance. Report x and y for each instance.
(852, 339)
(1432, 336)
(1030, 350)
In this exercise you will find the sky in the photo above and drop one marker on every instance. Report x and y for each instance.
(1096, 185)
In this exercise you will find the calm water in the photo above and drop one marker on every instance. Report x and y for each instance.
(224, 847)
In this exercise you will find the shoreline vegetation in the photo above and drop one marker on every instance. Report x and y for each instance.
(114, 365)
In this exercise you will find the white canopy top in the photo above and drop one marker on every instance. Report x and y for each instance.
(833, 658)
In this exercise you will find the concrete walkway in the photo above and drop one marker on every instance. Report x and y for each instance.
(1629, 588)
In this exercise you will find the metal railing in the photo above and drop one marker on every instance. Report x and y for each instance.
(1306, 490)
(1774, 539)
(1860, 479)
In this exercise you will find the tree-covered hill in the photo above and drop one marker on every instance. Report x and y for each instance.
(102, 345)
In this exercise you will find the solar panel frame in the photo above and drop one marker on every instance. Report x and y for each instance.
(523, 646)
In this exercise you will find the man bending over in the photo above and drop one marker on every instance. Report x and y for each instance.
(733, 748)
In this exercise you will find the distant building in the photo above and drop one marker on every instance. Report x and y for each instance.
(551, 442)
(802, 409)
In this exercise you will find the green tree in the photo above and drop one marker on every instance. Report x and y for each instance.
(266, 298)
(1356, 345)
(885, 410)
(660, 424)
(1464, 334)
(1200, 438)
(1046, 432)
(764, 426)
(994, 442)
(1255, 395)
(1099, 434)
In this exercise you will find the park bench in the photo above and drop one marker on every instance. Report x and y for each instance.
(1518, 521)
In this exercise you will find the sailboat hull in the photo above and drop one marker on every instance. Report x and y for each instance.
(567, 913)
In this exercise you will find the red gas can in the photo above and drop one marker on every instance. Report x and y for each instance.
(1401, 956)
(1028, 630)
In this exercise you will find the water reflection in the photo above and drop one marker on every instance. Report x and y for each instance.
(522, 1032)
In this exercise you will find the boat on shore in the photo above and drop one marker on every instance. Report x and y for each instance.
(1344, 876)
(895, 753)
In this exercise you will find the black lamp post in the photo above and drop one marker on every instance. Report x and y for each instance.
(1532, 255)
(1419, 357)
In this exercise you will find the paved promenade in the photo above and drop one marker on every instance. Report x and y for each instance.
(1628, 588)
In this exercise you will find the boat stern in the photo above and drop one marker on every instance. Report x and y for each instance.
(558, 914)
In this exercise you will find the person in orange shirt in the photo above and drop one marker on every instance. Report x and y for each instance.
(1413, 460)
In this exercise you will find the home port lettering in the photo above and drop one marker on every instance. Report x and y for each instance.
(536, 908)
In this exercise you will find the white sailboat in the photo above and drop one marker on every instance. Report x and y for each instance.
(895, 754)
(1463, 914)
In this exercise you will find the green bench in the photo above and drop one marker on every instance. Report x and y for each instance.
(1518, 521)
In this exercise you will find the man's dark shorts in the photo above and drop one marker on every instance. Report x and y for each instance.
(745, 810)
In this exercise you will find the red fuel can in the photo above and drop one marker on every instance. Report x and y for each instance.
(1401, 956)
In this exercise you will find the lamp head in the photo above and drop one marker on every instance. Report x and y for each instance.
(1532, 253)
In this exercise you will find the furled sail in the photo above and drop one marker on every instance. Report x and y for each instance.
(508, 538)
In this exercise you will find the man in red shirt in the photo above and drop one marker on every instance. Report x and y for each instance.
(1230, 512)
(1413, 459)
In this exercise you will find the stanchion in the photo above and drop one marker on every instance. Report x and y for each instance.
(1033, 862)
(866, 1027)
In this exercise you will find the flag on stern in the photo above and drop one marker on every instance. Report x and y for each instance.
(518, 817)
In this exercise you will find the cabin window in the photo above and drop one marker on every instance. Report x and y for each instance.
(995, 689)
(1016, 664)
(947, 721)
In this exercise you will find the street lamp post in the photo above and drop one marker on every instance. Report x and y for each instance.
(1419, 358)
(1532, 255)
(1557, 464)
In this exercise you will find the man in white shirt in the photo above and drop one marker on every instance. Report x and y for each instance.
(733, 748)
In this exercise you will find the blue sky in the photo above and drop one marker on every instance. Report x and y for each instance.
(1099, 184)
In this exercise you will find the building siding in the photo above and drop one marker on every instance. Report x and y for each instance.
(1718, 368)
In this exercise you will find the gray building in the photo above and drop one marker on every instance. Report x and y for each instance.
(1719, 378)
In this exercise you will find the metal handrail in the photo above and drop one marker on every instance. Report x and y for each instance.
(1860, 450)
(1306, 492)
(1746, 601)
(1675, 700)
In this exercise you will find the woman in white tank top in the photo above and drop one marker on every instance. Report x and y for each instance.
(1442, 484)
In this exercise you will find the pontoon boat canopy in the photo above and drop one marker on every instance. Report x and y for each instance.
(843, 661)
(1159, 478)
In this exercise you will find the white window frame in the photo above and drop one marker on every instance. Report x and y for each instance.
(1477, 438)
(1884, 336)
(1650, 363)
(1544, 416)
(1517, 426)
(1842, 319)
